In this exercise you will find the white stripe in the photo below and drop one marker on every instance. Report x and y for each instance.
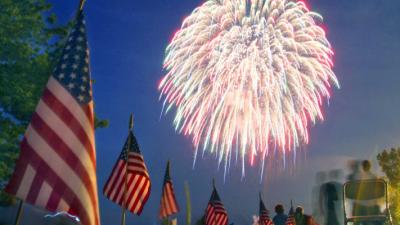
(63, 206)
(135, 194)
(170, 203)
(112, 179)
(135, 160)
(133, 169)
(171, 198)
(129, 190)
(44, 194)
(120, 179)
(63, 171)
(143, 195)
(65, 134)
(120, 196)
(72, 105)
(26, 182)
(166, 205)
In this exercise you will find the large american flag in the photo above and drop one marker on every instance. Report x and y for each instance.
(168, 205)
(215, 212)
(264, 215)
(129, 183)
(57, 165)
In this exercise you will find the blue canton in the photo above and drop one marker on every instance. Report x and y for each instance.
(133, 148)
(72, 70)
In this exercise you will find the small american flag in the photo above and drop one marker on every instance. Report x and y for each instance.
(168, 206)
(290, 220)
(57, 165)
(129, 183)
(264, 214)
(215, 212)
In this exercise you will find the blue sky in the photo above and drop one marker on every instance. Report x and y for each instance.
(127, 40)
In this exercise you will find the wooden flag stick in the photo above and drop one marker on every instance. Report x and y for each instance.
(123, 219)
(188, 205)
(19, 212)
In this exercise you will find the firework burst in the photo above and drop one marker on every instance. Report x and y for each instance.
(247, 76)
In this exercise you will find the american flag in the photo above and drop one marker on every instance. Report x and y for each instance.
(264, 214)
(168, 206)
(129, 183)
(57, 165)
(290, 220)
(215, 212)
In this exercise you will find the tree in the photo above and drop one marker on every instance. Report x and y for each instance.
(389, 161)
(30, 44)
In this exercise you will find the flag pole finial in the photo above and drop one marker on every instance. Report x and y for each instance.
(213, 183)
(81, 4)
(131, 122)
(168, 167)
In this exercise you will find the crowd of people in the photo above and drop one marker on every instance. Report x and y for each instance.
(328, 199)
(298, 216)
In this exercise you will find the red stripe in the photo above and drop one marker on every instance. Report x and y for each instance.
(112, 183)
(135, 164)
(21, 165)
(129, 183)
(132, 193)
(69, 119)
(145, 197)
(65, 153)
(165, 204)
(35, 186)
(118, 187)
(54, 198)
(170, 197)
(54, 181)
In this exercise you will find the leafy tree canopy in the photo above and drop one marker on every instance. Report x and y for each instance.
(389, 161)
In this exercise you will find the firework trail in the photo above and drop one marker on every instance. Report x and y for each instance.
(248, 76)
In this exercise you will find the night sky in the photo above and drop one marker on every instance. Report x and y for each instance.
(127, 40)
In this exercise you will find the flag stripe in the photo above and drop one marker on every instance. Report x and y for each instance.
(27, 181)
(48, 120)
(57, 147)
(69, 194)
(109, 191)
(35, 187)
(69, 120)
(59, 166)
(79, 112)
(136, 204)
(44, 194)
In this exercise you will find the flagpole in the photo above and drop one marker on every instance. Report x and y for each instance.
(19, 212)
(123, 216)
(188, 205)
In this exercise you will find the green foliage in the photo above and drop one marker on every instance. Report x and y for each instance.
(389, 161)
(200, 221)
(30, 45)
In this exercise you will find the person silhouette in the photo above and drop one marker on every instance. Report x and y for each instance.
(280, 217)
(330, 198)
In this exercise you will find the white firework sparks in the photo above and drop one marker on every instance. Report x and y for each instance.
(248, 76)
